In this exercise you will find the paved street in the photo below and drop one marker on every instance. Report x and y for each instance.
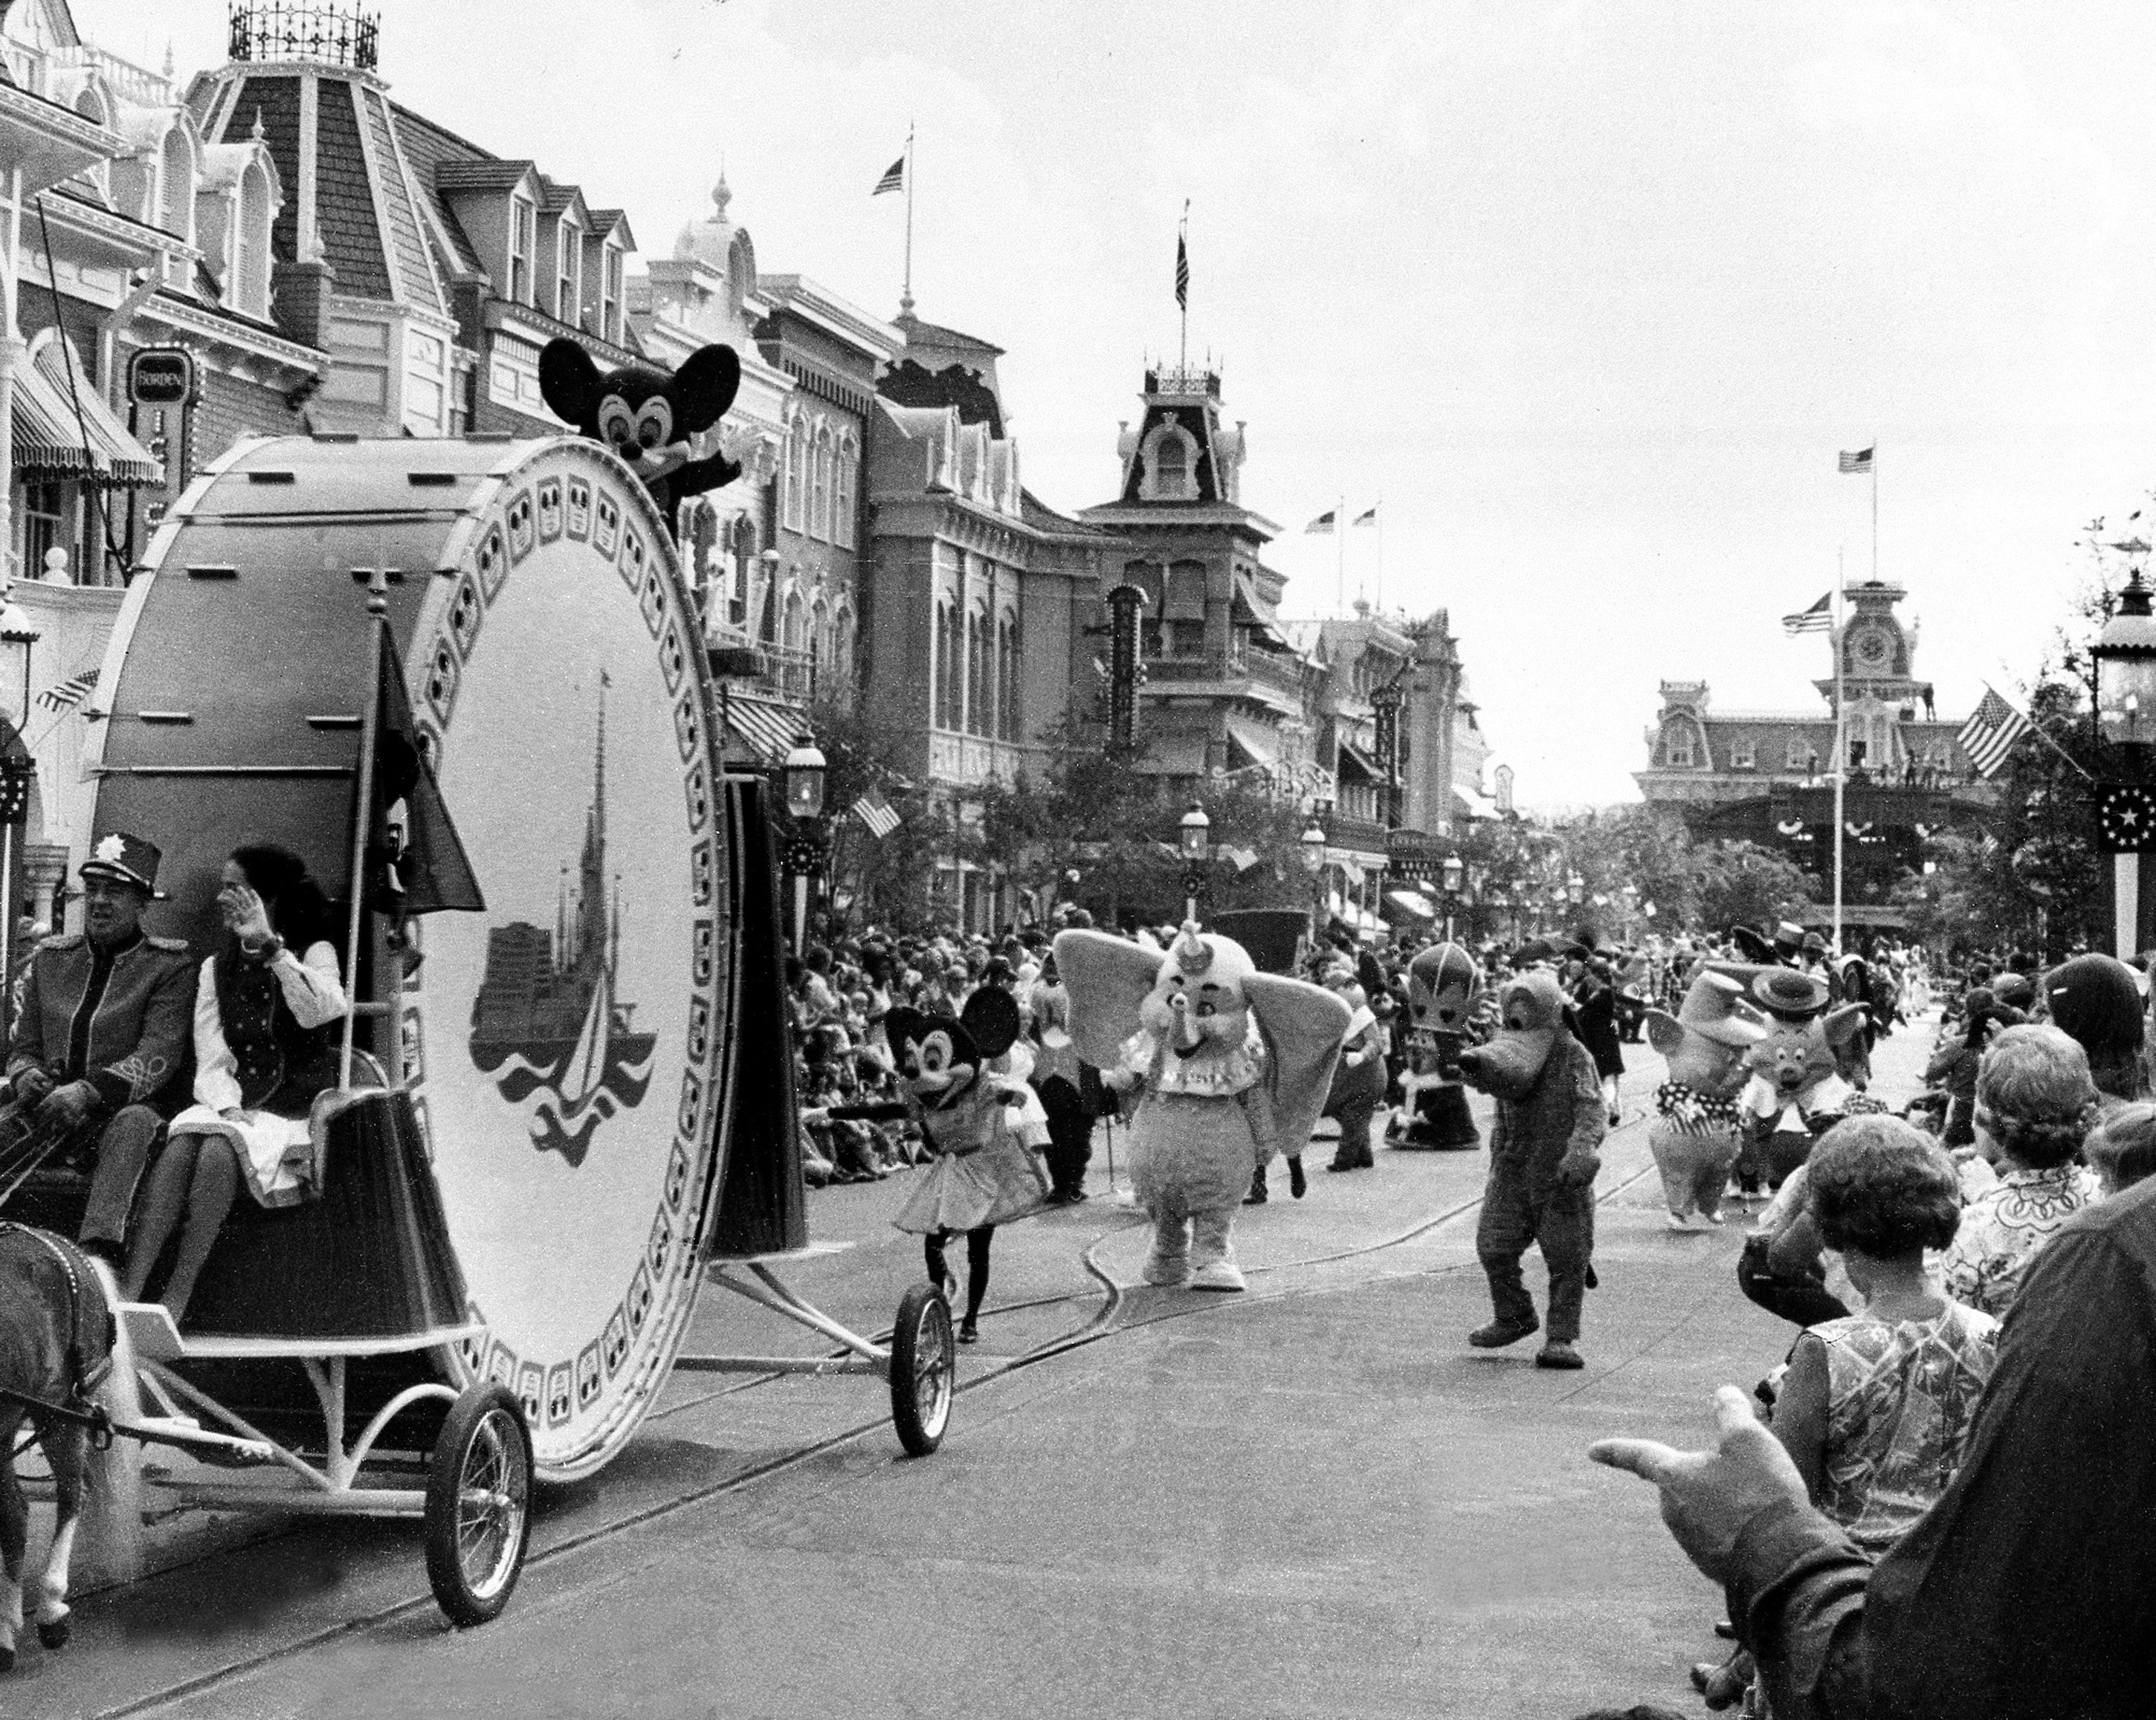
(1312, 1499)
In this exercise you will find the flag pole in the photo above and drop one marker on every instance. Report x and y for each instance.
(1841, 744)
(1379, 522)
(1183, 298)
(1875, 510)
(1340, 541)
(905, 292)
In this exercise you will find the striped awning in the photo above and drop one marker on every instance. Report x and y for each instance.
(50, 437)
(764, 725)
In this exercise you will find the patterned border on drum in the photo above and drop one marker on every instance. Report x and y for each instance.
(597, 502)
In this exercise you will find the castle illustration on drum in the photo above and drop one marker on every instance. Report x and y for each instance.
(546, 1016)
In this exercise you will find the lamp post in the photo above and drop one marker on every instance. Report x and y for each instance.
(2123, 674)
(1195, 843)
(19, 634)
(1313, 847)
(1453, 874)
(801, 776)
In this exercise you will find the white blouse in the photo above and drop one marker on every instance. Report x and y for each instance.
(312, 992)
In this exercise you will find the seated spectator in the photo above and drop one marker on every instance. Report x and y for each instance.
(2035, 1103)
(1877, 1407)
(2122, 1147)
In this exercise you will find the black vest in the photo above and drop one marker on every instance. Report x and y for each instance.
(282, 1064)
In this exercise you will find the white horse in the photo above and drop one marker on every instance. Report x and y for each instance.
(60, 1344)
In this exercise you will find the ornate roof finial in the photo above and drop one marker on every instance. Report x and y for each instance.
(722, 195)
(256, 132)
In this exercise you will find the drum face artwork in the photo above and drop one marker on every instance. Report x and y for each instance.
(564, 1048)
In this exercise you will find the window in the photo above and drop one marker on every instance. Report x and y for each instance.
(843, 506)
(1186, 639)
(610, 296)
(1794, 755)
(568, 270)
(797, 461)
(175, 177)
(45, 510)
(521, 220)
(1170, 461)
(819, 478)
(791, 638)
(251, 254)
(1744, 754)
(1677, 744)
(947, 666)
(1012, 675)
(842, 656)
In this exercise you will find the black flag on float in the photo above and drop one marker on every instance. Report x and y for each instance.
(429, 872)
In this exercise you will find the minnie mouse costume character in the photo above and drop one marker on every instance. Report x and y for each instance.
(982, 1128)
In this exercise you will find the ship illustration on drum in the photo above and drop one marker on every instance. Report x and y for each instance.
(547, 1020)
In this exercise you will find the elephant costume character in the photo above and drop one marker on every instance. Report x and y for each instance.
(1226, 1064)
(1544, 1152)
(1698, 1133)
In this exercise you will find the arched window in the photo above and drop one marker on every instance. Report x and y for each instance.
(1011, 672)
(950, 668)
(819, 513)
(797, 465)
(250, 285)
(791, 638)
(1170, 477)
(978, 711)
(842, 654)
(843, 501)
(175, 186)
(819, 647)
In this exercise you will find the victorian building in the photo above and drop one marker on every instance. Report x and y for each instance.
(1224, 689)
(974, 651)
(1766, 776)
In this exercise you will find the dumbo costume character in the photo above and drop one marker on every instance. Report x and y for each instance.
(1543, 1156)
(1228, 1064)
(1698, 1133)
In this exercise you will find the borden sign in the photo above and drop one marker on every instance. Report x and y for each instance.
(161, 376)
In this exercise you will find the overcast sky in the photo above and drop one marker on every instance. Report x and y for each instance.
(1590, 295)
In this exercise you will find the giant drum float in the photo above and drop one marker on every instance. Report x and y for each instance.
(565, 1049)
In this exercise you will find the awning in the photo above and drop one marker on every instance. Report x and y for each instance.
(1362, 762)
(48, 436)
(1260, 744)
(1252, 608)
(767, 727)
(1473, 804)
(1412, 901)
(1171, 756)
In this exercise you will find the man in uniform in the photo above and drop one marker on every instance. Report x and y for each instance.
(103, 1032)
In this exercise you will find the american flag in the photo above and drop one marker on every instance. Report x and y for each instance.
(1858, 461)
(1818, 618)
(1368, 516)
(69, 693)
(1323, 523)
(1989, 735)
(894, 179)
(1182, 275)
(875, 812)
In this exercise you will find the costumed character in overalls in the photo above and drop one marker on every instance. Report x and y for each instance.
(101, 1034)
(1359, 1078)
(984, 1128)
(1796, 1092)
(1544, 1154)
(1227, 1064)
(1698, 1131)
(1444, 986)
(1069, 1089)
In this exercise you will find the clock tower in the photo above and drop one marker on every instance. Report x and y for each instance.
(1878, 653)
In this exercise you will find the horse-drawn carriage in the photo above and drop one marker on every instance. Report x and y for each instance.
(465, 680)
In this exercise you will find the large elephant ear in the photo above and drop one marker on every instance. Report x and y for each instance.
(1304, 1026)
(1107, 979)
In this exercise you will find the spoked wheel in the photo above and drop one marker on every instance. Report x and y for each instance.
(923, 1369)
(479, 1504)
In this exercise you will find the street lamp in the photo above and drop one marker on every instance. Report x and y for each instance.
(1575, 889)
(19, 633)
(1194, 842)
(1451, 874)
(801, 776)
(2123, 673)
(1313, 847)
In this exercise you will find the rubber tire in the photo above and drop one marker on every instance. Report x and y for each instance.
(921, 1430)
(460, 1604)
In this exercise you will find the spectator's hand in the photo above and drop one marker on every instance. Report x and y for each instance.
(67, 1107)
(1708, 1497)
(1579, 1170)
(31, 1085)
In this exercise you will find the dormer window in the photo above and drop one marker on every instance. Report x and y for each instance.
(1676, 742)
(250, 283)
(176, 198)
(523, 220)
(1170, 459)
(568, 270)
(610, 296)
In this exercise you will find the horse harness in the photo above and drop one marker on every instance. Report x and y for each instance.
(83, 1377)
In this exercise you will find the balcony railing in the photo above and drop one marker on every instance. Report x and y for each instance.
(317, 30)
(968, 761)
(1282, 673)
(1186, 382)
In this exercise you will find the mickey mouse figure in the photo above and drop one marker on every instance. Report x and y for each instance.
(650, 420)
(984, 1127)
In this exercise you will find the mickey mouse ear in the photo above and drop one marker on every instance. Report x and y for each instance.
(990, 1018)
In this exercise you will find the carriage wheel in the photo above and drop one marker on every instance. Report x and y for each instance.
(923, 1369)
(478, 1500)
